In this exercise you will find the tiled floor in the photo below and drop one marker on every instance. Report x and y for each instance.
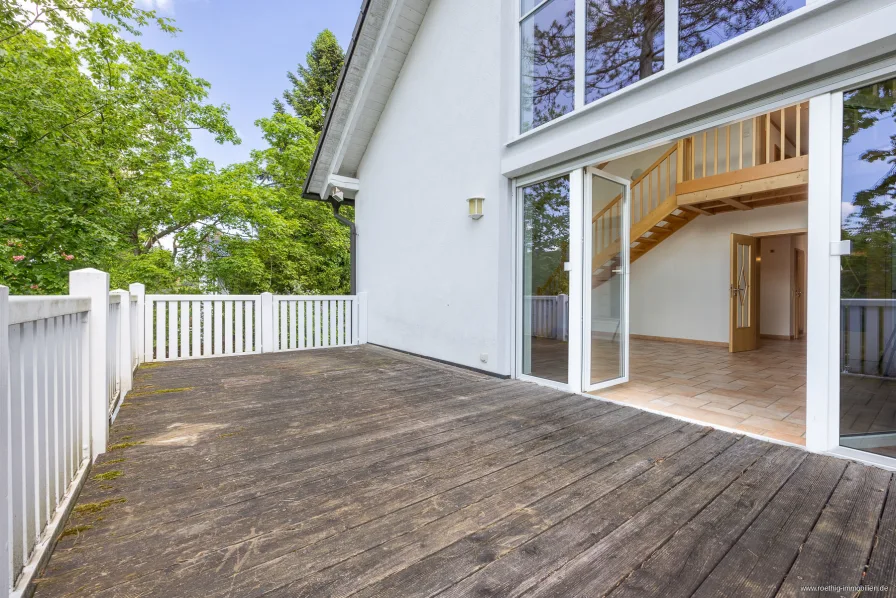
(868, 406)
(762, 392)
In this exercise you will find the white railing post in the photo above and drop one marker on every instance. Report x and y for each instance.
(139, 290)
(362, 318)
(125, 358)
(95, 285)
(562, 317)
(267, 323)
(6, 452)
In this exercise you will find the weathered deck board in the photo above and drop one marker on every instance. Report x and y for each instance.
(363, 472)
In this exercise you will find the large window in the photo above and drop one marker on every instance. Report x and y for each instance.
(868, 274)
(703, 24)
(548, 61)
(545, 280)
(623, 44)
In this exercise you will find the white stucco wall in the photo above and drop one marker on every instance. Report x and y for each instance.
(433, 275)
(681, 288)
(775, 282)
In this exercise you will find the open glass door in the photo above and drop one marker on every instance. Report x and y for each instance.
(606, 284)
(545, 280)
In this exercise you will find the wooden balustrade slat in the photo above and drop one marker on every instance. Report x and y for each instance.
(783, 133)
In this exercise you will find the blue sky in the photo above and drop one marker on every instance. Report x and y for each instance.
(244, 49)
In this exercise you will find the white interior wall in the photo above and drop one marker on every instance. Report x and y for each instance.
(681, 288)
(625, 167)
(775, 275)
(432, 274)
(802, 242)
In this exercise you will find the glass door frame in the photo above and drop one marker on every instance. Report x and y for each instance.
(576, 195)
(586, 295)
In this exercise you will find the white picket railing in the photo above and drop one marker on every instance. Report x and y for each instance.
(868, 336)
(113, 352)
(181, 327)
(194, 326)
(47, 446)
(67, 363)
(315, 322)
(549, 316)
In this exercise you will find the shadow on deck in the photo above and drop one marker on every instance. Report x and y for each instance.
(364, 472)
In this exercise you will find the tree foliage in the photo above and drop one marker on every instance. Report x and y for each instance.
(98, 169)
(869, 134)
(313, 84)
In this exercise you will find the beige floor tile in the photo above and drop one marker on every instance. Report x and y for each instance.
(773, 425)
(770, 412)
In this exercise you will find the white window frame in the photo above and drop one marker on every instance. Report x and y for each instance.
(825, 198)
(587, 298)
(670, 56)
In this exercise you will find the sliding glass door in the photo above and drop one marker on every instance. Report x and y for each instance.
(868, 273)
(606, 280)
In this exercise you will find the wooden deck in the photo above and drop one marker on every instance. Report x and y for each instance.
(364, 472)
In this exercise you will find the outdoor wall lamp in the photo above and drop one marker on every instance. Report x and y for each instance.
(475, 205)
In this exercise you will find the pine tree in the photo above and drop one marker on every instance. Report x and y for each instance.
(313, 84)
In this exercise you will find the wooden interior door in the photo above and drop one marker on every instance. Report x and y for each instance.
(799, 278)
(744, 290)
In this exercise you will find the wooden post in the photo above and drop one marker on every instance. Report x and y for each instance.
(783, 135)
(94, 284)
(267, 323)
(125, 357)
(139, 290)
(6, 452)
(362, 318)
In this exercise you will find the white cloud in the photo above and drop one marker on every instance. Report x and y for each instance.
(846, 208)
(159, 5)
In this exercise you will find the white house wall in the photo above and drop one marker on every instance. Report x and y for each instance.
(776, 276)
(680, 289)
(434, 275)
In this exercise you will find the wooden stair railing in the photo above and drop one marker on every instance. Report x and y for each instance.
(653, 217)
(663, 197)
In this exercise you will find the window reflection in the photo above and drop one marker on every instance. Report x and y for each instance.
(624, 44)
(547, 63)
(704, 24)
(545, 281)
(868, 274)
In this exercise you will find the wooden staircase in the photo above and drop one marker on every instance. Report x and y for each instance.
(655, 216)
(750, 164)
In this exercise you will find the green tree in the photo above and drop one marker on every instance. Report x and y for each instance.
(313, 84)
(298, 248)
(95, 142)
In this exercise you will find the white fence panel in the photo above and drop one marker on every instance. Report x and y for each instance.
(868, 336)
(193, 326)
(46, 340)
(314, 322)
(113, 352)
(550, 316)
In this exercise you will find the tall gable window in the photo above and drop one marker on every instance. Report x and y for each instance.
(575, 52)
(623, 44)
(703, 24)
(548, 61)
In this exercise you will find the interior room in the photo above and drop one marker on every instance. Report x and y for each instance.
(716, 305)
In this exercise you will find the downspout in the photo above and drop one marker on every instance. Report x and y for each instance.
(353, 234)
